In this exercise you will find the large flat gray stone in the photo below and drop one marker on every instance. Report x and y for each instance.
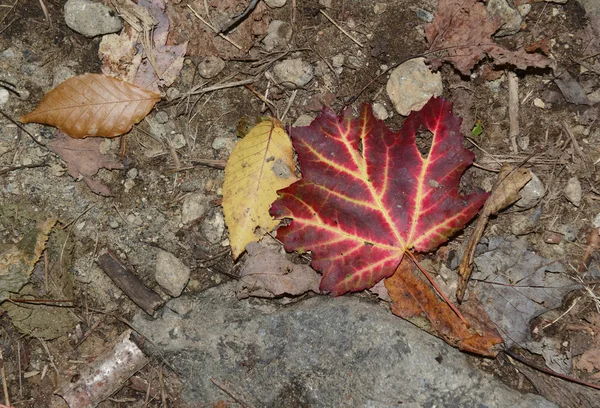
(318, 352)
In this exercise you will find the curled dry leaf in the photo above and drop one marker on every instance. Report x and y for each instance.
(504, 193)
(415, 302)
(462, 33)
(93, 105)
(267, 273)
(260, 164)
(16, 264)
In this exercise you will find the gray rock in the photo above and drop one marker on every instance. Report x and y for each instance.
(194, 207)
(293, 73)
(596, 221)
(211, 66)
(132, 173)
(338, 60)
(573, 191)
(224, 142)
(275, 3)
(524, 9)
(412, 84)
(510, 17)
(213, 227)
(170, 273)
(177, 141)
(533, 191)
(424, 15)
(4, 96)
(303, 120)
(279, 34)
(91, 18)
(161, 117)
(380, 112)
(318, 352)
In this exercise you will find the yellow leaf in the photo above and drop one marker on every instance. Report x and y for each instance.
(93, 105)
(260, 164)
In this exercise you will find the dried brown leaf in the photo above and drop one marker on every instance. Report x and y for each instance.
(414, 301)
(93, 105)
(16, 264)
(268, 273)
(462, 33)
(84, 159)
(504, 193)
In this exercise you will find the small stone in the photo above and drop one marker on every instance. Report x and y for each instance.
(411, 85)
(596, 221)
(275, 3)
(135, 220)
(132, 173)
(573, 191)
(279, 34)
(326, 3)
(424, 15)
(161, 117)
(91, 18)
(170, 273)
(522, 225)
(338, 60)
(594, 97)
(173, 93)
(211, 66)
(523, 142)
(213, 227)
(503, 12)
(539, 103)
(531, 193)
(178, 141)
(224, 143)
(4, 96)
(569, 232)
(551, 237)
(303, 120)
(524, 9)
(194, 207)
(128, 184)
(379, 8)
(380, 112)
(114, 224)
(293, 73)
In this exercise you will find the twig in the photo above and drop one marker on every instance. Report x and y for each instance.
(513, 109)
(220, 34)
(25, 166)
(341, 29)
(437, 288)
(562, 315)
(241, 17)
(264, 99)
(223, 388)
(46, 13)
(289, 104)
(3, 374)
(50, 356)
(573, 140)
(17, 124)
(161, 381)
(200, 90)
(550, 372)
(130, 284)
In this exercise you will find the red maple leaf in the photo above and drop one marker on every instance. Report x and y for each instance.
(368, 195)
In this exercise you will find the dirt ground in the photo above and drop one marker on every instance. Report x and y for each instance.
(143, 212)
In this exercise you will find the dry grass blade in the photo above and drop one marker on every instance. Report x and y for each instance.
(93, 105)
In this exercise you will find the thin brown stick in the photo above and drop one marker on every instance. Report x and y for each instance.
(223, 388)
(199, 90)
(550, 372)
(3, 374)
(437, 288)
(346, 33)
(161, 381)
(513, 109)
(573, 140)
(220, 34)
(25, 166)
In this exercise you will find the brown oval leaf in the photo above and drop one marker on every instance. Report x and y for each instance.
(93, 105)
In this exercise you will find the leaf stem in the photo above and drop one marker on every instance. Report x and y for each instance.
(437, 288)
